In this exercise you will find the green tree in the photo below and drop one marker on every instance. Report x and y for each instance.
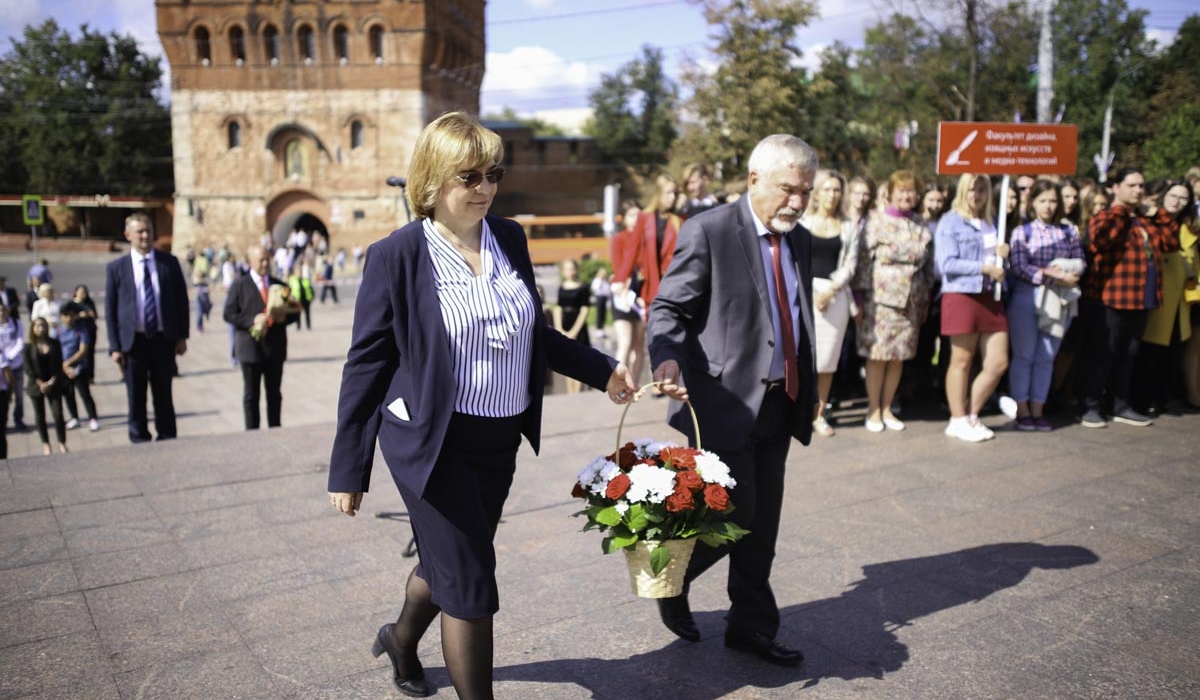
(1100, 53)
(834, 107)
(633, 119)
(756, 89)
(1175, 146)
(80, 116)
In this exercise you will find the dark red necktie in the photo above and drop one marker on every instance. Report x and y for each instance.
(791, 371)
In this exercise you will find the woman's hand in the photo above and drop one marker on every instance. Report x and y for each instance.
(1002, 250)
(347, 503)
(621, 385)
(994, 271)
(822, 299)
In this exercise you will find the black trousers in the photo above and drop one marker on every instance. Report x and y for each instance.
(56, 410)
(329, 289)
(83, 385)
(1109, 351)
(758, 468)
(151, 363)
(256, 376)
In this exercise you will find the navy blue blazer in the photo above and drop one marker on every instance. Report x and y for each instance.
(400, 350)
(120, 300)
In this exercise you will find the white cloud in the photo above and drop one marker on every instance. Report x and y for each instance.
(570, 120)
(1162, 37)
(529, 78)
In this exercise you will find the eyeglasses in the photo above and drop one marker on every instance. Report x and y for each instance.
(475, 178)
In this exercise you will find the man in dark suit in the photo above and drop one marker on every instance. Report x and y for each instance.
(731, 330)
(262, 359)
(146, 312)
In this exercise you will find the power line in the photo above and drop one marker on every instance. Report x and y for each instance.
(585, 13)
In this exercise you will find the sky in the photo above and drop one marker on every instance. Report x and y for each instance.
(545, 56)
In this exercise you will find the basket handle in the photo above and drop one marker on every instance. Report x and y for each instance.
(637, 395)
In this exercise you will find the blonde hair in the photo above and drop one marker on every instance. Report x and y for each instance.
(660, 185)
(453, 142)
(818, 182)
(140, 218)
(966, 182)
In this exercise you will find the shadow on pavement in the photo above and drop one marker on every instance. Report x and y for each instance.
(858, 627)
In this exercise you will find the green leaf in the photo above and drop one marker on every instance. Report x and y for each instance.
(712, 539)
(659, 558)
(617, 542)
(635, 518)
(608, 516)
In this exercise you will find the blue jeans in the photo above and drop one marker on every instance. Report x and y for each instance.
(1031, 366)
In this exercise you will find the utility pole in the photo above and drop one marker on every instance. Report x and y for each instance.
(1045, 93)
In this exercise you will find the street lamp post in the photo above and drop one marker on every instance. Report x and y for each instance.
(1104, 158)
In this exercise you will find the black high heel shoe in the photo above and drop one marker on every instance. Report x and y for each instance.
(415, 685)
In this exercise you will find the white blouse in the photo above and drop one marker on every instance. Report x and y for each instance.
(489, 321)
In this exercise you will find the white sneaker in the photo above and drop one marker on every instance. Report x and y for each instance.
(93, 425)
(962, 429)
(982, 430)
(1008, 406)
(73, 424)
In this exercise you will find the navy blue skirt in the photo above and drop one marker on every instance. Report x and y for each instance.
(454, 523)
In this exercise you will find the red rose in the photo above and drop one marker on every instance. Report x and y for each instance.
(617, 486)
(579, 491)
(680, 457)
(689, 479)
(625, 458)
(716, 497)
(680, 500)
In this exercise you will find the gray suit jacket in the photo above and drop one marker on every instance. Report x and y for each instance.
(712, 316)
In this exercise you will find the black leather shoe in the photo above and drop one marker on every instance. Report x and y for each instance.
(677, 616)
(764, 648)
(413, 686)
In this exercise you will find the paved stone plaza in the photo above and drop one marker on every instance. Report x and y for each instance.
(1034, 567)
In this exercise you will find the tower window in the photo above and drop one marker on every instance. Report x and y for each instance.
(305, 39)
(235, 134)
(356, 134)
(341, 44)
(237, 45)
(203, 46)
(271, 44)
(376, 38)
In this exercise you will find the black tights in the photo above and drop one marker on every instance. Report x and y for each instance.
(466, 644)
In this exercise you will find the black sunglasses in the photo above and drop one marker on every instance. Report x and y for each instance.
(475, 178)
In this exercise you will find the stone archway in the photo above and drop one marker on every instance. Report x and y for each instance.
(296, 208)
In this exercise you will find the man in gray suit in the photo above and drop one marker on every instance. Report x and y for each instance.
(732, 329)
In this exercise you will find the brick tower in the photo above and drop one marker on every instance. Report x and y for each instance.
(292, 113)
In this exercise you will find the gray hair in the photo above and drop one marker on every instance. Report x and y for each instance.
(782, 150)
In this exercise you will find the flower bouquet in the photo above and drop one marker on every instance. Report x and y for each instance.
(279, 305)
(654, 500)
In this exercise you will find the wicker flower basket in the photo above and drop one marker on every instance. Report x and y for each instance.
(669, 582)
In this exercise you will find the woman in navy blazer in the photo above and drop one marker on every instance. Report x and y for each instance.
(446, 369)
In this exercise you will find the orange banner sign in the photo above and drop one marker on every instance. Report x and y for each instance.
(994, 148)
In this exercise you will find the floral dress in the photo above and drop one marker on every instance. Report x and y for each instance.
(894, 278)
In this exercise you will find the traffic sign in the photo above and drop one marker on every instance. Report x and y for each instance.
(996, 148)
(31, 208)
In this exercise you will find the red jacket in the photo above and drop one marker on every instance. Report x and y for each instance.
(1119, 254)
(637, 249)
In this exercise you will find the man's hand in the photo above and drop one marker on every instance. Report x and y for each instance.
(668, 374)
(180, 346)
(347, 503)
(118, 357)
(621, 385)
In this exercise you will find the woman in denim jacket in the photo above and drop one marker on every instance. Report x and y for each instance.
(969, 258)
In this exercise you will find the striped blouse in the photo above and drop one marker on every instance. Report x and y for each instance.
(489, 321)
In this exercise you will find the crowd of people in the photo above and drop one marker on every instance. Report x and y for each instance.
(50, 359)
(1083, 305)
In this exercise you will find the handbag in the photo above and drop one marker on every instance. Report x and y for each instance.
(1191, 291)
